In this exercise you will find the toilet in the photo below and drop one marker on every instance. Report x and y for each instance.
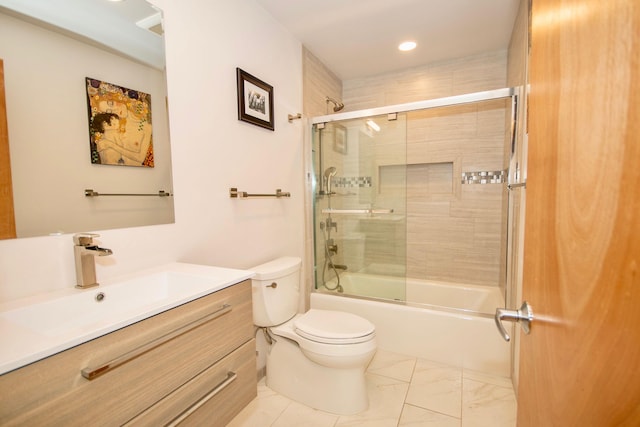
(317, 358)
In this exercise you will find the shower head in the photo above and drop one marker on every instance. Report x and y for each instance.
(329, 173)
(337, 105)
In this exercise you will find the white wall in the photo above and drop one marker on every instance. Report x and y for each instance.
(211, 150)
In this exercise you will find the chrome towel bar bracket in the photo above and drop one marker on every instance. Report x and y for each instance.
(292, 117)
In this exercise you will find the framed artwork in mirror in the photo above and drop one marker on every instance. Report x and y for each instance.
(255, 100)
(120, 129)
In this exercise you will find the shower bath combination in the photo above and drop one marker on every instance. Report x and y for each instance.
(422, 240)
(391, 222)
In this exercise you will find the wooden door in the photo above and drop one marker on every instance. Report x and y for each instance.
(7, 219)
(580, 366)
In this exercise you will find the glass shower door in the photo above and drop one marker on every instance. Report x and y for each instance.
(360, 206)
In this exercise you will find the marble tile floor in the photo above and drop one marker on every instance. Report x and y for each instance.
(403, 391)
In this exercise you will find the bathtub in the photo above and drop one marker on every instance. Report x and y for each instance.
(463, 336)
(476, 298)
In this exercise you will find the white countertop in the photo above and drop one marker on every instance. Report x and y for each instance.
(40, 326)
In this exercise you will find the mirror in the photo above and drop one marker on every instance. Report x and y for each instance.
(48, 50)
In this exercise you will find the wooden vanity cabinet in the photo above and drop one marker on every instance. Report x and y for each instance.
(203, 374)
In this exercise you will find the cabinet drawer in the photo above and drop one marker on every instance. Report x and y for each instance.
(212, 398)
(53, 391)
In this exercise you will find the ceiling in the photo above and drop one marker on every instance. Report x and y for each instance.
(133, 19)
(359, 38)
(353, 38)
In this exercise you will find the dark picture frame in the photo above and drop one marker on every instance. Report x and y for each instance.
(255, 100)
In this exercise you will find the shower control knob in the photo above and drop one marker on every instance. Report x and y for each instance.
(272, 285)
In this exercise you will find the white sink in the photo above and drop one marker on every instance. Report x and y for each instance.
(46, 325)
(107, 303)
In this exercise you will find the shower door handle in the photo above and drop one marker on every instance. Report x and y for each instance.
(524, 316)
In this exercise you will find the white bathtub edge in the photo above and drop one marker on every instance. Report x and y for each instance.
(463, 341)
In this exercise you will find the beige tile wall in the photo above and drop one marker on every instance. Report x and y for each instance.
(318, 82)
(453, 231)
(446, 78)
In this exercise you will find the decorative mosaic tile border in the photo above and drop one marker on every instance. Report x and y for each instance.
(351, 181)
(484, 177)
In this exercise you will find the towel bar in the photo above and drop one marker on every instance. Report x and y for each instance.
(90, 193)
(235, 194)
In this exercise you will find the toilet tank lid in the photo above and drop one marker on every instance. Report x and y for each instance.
(277, 268)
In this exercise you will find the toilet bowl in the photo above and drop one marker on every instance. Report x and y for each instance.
(327, 345)
(317, 358)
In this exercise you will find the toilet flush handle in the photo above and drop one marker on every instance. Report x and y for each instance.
(272, 285)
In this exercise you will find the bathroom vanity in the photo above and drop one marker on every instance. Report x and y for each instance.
(192, 364)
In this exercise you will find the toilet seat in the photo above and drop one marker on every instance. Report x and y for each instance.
(333, 327)
(353, 349)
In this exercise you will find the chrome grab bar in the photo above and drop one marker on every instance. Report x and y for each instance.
(357, 211)
(93, 372)
(231, 377)
(90, 193)
(235, 194)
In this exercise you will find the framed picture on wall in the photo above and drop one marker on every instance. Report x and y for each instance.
(255, 100)
(120, 131)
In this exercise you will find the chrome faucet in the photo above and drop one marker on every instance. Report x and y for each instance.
(84, 251)
(338, 266)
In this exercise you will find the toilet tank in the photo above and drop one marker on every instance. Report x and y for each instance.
(276, 291)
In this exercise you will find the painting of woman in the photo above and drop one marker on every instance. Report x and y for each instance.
(119, 125)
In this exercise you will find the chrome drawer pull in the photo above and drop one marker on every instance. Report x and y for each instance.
(91, 373)
(231, 377)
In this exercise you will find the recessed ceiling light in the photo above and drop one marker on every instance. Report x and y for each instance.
(408, 45)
